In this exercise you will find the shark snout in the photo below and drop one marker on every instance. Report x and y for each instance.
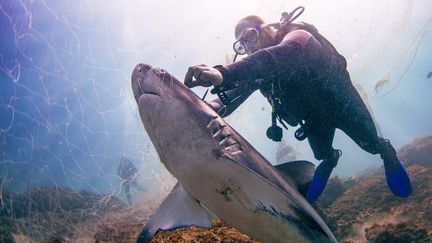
(140, 83)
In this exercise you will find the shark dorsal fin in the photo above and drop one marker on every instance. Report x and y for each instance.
(300, 172)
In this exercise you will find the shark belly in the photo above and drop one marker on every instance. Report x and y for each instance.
(250, 203)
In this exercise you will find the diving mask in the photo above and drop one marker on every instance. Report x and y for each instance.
(248, 39)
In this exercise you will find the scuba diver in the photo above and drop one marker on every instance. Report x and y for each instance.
(306, 82)
(127, 171)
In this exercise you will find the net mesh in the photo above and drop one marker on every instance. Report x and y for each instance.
(75, 160)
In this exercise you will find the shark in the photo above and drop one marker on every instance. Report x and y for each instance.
(219, 173)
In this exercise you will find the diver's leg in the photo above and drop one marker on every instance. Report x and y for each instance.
(357, 123)
(320, 138)
(354, 119)
(127, 191)
(137, 186)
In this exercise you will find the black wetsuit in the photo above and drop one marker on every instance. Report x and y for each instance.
(311, 84)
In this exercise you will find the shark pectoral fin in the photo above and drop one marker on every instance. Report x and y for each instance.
(300, 171)
(178, 209)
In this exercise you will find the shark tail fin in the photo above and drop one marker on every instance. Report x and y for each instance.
(178, 209)
(300, 171)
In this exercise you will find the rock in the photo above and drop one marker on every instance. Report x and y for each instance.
(220, 232)
(403, 232)
(370, 202)
(360, 209)
(418, 151)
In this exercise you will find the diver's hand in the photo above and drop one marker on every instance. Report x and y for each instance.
(202, 75)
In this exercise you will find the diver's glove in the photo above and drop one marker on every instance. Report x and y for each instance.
(396, 175)
(321, 176)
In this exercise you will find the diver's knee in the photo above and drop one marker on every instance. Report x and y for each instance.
(319, 155)
(330, 159)
(326, 154)
(374, 148)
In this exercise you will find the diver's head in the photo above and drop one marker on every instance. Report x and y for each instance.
(253, 34)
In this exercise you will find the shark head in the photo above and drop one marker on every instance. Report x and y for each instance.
(168, 108)
(160, 91)
(217, 167)
(157, 87)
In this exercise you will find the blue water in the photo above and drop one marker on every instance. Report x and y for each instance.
(67, 112)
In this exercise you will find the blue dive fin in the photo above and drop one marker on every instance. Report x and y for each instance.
(178, 209)
(397, 177)
(319, 181)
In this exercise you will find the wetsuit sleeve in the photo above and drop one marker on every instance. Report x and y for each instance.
(259, 65)
(263, 63)
(237, 97)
